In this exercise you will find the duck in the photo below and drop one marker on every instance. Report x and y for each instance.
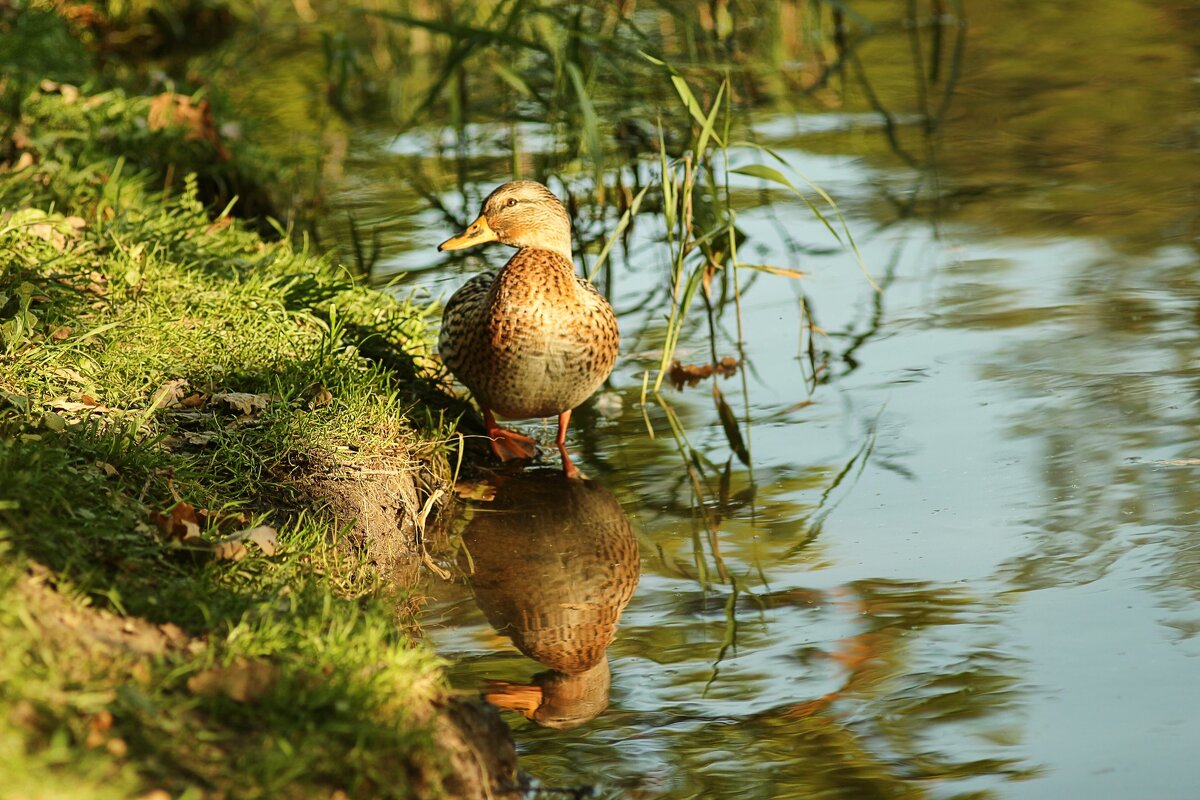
(532, 339)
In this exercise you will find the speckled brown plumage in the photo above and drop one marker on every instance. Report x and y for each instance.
(533, 339)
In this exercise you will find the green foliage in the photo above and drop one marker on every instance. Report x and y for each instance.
(36, 44)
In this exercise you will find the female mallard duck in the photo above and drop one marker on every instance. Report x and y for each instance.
(534, 339)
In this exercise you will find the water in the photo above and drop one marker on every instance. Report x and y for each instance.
(965, 559)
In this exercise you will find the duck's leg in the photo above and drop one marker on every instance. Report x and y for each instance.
(564, 419)
(506, 444)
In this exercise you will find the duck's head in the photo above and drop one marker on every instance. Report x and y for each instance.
(519, 214)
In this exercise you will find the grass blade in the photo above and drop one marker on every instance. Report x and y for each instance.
(622, 224)
(729, 422)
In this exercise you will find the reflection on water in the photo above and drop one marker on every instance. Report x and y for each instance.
(552, 563)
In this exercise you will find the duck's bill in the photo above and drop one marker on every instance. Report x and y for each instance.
(477, 232)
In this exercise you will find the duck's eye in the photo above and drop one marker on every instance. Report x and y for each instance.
(512, 201)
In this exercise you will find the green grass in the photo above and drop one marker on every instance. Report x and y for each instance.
(110, 290)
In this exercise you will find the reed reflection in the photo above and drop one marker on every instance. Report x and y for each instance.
(552, 563)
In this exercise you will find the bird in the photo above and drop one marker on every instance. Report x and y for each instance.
(532, 339)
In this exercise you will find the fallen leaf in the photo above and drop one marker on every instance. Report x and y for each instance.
(181, 523)
(193, 400)
(265, 537)
(727, 366)
(219, 225)
(61, 333)
(233, 547)
(224, 523)
(198, 439)
(98, 728)
(317, 395)
(171, 109)
(169, 393)
(108, 468)
(97, 284)
(68, 374)
(243, 681)
(475, 490)
(686, 375)
(244, 402)
(84, 403)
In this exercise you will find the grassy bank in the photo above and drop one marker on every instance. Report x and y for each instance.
(212, 463)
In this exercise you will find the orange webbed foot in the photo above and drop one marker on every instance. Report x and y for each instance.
(510, 445)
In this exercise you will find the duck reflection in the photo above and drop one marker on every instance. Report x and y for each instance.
(552, 563)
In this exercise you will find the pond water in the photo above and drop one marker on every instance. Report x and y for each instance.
(964, 557)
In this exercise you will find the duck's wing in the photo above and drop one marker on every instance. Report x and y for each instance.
(460, 317)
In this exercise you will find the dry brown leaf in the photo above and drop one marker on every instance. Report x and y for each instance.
(317, 395)
(243, 681)
(233, 547)
(682, 375)
(475, 490)
(169, 393)
(193, 400)
(727, 366)
(223, 522)
(98, 728)
(68, 374)
(219, 225)
(243, 402)
(84, 403)
(97, 284)
(201, 439)
(61, 333)
(170, 109)
(689, 374)
(710, 269)
(181, 523)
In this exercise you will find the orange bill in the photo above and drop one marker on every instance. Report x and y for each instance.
(477, 232)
